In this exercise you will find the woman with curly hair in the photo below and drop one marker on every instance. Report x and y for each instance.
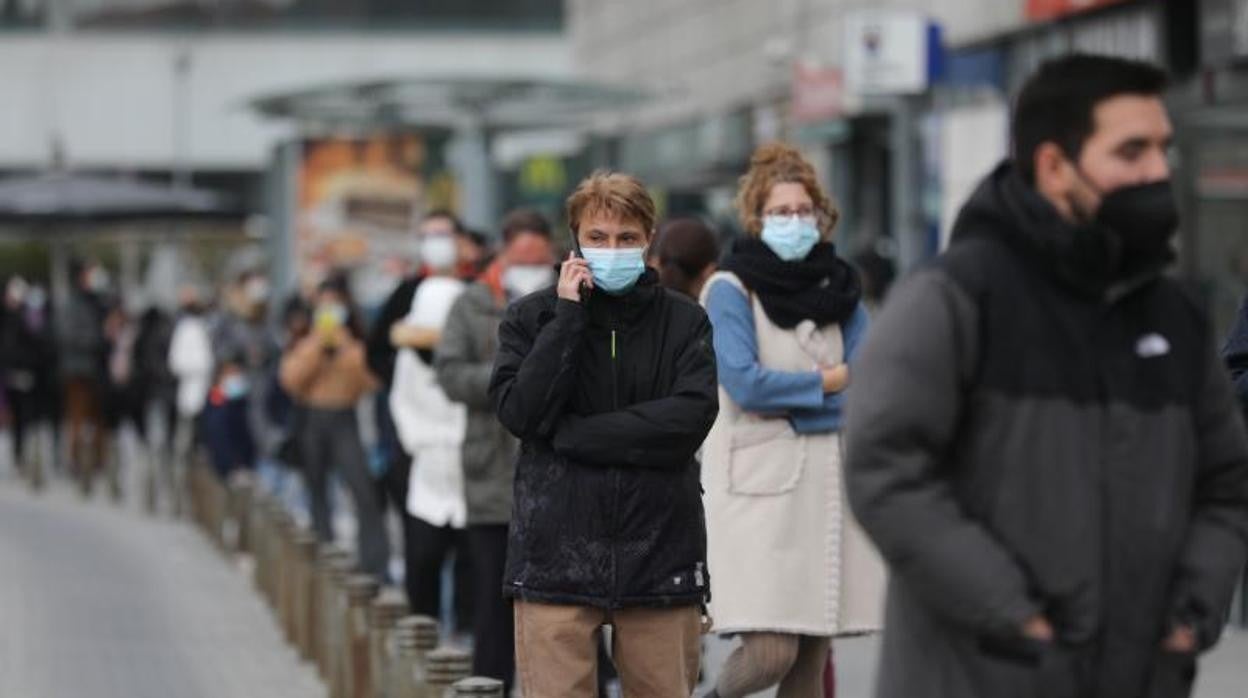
(791, 568)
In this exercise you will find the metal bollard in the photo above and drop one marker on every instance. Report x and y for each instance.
(389, 606)
(477, 687)
(256, 532)
(305, 572)
(195, 486)
(277, 579)
(447, 665)
(218, 499)
(241, 493)
(335, 611)
(273, 552)
(414, 638)
(289, 577)
(361, 590)
(319, 616)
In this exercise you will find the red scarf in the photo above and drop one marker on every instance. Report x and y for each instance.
(493, 278)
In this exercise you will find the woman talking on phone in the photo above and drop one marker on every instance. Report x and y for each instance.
(326, 374)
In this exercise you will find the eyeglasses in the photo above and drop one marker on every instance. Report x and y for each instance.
(786, 212)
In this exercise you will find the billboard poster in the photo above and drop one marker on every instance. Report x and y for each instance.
(357, 202)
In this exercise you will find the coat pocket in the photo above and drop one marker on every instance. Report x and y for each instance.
(1173, 676)
(767, 458)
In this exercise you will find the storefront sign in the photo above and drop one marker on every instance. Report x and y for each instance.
(1045, 10)
(818, 93)
(890, 52)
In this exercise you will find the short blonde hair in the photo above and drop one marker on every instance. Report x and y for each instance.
(616, 195)
(780, 163)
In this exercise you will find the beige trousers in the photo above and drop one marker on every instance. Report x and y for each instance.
(656, 650)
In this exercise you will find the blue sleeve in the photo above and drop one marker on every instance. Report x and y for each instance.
(831, 414)
(752, 386)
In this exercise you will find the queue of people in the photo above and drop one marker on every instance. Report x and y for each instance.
(1029, 470)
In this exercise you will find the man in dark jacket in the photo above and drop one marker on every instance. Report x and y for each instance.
(464, 361)
(83, 353)
(609, 382)
(1042, 442)
(1236, 355)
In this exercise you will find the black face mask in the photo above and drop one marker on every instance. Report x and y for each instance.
(1142, 219)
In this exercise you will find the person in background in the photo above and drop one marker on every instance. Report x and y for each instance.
(472, 249)
(464, 361)
(608, 380)
(1043, 441)
(381, 358)
(150, 364)
(241, 330)
(281, 410)
(431, 428)
(225, 422)
(327, 374)
(685, 253)
(793, 569)
(27, 362)
(1235, 354)
(125, 394)
(191, 364)
(877, 272)
(84, 351)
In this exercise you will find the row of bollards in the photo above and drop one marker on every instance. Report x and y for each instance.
(359, 635)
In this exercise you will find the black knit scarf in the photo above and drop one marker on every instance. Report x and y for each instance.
(823, 287)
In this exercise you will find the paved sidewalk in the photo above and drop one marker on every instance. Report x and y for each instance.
(101, 602)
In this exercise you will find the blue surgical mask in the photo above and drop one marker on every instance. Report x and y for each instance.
(790, 237)
(234, 386)
(615, 271)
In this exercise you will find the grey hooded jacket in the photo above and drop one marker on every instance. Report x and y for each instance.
(1030, 434)
(464, 361)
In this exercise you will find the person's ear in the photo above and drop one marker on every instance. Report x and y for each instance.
(1049, 162)
(1054, 175)
(708, 272)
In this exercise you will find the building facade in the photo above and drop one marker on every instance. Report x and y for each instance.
(726, 75)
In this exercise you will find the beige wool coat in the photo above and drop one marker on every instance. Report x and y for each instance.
(784, 552)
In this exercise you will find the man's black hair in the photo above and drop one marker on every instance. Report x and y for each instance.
(1058, 102)
(457, 224)
(525, 220)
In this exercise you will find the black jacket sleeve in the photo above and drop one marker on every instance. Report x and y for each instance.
(535, 369)
(379, 351)
(662, 433)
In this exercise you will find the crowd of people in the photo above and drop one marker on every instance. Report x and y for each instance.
(1029, 469)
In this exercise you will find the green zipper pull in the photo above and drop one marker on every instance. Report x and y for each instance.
(613, 345)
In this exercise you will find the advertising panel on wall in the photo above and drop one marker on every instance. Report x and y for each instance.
(357, 201)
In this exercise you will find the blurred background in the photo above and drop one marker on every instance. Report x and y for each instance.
(319, 131)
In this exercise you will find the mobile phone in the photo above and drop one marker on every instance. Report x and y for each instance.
(584, 289)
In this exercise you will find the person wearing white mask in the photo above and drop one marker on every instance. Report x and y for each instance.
(792, 567)
(464, 361)
(430, 429)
